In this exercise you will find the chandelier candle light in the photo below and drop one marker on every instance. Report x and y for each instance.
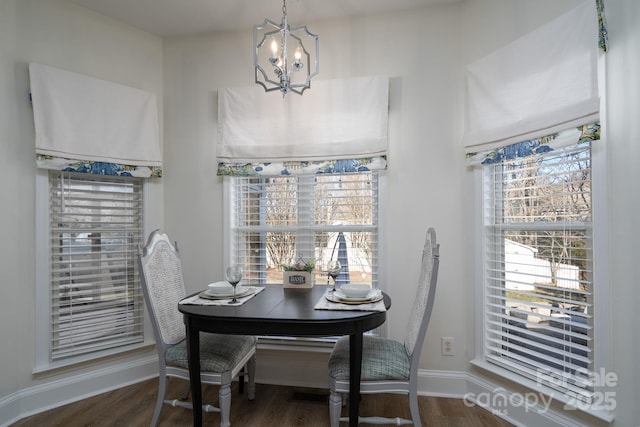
(281, 59)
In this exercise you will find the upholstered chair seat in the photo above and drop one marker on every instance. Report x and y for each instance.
(222, 357)
(382, 359)
(389, 366)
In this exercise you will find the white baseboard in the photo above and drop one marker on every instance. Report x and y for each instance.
(495, 398)
(474, 389)
(52, 394)
(521, 408)
(451, 384)
(283, 370)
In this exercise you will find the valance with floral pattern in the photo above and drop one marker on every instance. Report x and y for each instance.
(581, 134)
(97, 168)
(300, 167)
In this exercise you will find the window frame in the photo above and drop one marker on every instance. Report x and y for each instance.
(227, 197)
(43, 359)
(600, 293)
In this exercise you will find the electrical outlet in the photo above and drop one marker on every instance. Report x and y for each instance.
(447, 346)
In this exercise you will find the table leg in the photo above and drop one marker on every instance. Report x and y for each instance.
(193, 355)
(355, 366)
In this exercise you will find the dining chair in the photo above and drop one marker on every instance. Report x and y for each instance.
(389, 366)
(222, 357)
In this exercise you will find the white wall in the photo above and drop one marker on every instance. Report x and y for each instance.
(623, 113)
(15, 265)
(423, 52)
(66, 36)
(488, 28)
(425, 158)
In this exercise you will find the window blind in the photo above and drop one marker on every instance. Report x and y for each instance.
(277, 219)
(538, 271)
(95, 230)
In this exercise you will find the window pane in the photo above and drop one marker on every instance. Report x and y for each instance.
(539, 274)
(96, 228)
(279, 219)
(344, 199)
(551, 188)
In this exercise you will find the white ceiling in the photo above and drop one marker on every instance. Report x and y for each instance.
(168, 18)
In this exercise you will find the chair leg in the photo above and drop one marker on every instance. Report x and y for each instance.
(187, 391)
(335, 408)
(162, 390)
(251, 370)
(243, 372)
(413, 405)
(224, 401)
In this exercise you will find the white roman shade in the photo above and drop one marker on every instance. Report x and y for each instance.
(335, 119)
(83, 118)
(539, 84)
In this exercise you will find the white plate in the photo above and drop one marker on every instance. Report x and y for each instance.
(337, 296)
(356, 291)
(241, 291)
(219, 288)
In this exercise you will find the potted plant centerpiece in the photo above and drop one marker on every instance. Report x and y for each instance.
(299, 274)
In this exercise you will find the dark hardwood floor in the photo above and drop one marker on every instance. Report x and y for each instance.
(274, 406)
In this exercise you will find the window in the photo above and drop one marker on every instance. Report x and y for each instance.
(275, 220)
(539, 269)
(94, 299)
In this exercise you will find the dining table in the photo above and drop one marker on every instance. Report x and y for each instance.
(279, 311)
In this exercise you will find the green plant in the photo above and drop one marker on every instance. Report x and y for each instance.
(300, 265)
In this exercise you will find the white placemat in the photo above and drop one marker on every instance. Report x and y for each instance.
(324, 304)
(197, 300)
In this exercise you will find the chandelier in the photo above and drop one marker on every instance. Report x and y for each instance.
(285, 58)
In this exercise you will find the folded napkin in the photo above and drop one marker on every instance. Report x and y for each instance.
(325, 304)
(198, 300)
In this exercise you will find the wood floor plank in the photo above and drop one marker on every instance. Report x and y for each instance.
(274, 406)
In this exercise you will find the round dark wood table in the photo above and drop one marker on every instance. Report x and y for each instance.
(279, 311)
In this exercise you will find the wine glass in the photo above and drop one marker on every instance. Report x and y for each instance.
(234, 275)
(333, 271)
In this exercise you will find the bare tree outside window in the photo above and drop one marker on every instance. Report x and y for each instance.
(539, 280)
(284, 217)
(548, 190)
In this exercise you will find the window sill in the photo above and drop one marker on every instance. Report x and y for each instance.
(594, 411)
(93, 358)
